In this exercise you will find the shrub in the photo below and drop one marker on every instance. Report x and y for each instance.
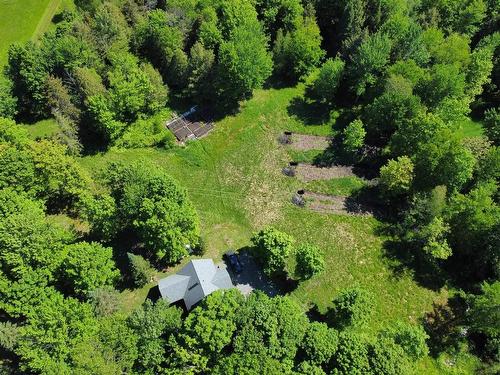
(147, 133)
(140, 269)
(309, 261)
(352, 307)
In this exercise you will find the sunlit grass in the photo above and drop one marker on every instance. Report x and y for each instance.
(42, 129)
(21, 20)
(234, 179)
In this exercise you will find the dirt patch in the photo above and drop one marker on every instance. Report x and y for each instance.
(304, 142)
(309, 172)
(334, 204)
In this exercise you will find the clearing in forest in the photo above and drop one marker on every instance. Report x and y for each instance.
(235, 181)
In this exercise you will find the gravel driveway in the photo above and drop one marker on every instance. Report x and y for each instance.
(251, 277)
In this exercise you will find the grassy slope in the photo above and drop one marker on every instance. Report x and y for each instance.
(234, 179)
(22, 20)
(42, 129)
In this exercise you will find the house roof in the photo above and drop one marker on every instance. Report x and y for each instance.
(196, 280)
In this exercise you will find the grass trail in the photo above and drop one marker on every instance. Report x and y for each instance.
(46, 18)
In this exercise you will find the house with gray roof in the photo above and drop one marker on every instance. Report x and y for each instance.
(195, 281)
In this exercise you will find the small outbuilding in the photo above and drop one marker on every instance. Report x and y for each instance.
(195, 281)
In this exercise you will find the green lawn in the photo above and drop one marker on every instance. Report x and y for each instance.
(304, 156)
(42, 129)
(471, 128)
(21, 20)
(344, 186)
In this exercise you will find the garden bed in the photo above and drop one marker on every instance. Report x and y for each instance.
(309, 172)
(304, 142)
(332, 204)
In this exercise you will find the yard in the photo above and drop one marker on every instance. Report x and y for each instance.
(234, 178)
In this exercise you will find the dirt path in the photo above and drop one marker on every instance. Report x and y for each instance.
(308, 172)
(302, 142)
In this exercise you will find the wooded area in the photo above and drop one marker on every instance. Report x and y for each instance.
(404, 95)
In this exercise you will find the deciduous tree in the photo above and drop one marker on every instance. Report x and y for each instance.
(319, 343)
(397, 175)
(309, 261)
(352, 307)
(272, 248)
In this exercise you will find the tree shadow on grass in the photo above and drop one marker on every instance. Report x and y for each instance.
(404, 259)
(276, 81)
(315, 315)
(309, 112)
(444, 325)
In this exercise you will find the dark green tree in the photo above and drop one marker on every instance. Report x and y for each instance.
(157, 40)
(351, 356)
(387, 358)
(27, 71)
(324, 88)
(140, 269)
(319, 344)
(492, 125)
(285, 15)
(270, 326)
(244, 63)
(445, 81)
(297, 52)
(153, 323)
(309, 261)
(474, 220)
(88, 266)
(8, 102)
(484, 316)
(153, 204)
(206, 332)
(247, 363)
(53, 330)
(369, 62)
(352, 307)
(409, 337)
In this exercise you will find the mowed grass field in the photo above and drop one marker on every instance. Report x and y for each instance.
(21, 20)
(234, 178)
